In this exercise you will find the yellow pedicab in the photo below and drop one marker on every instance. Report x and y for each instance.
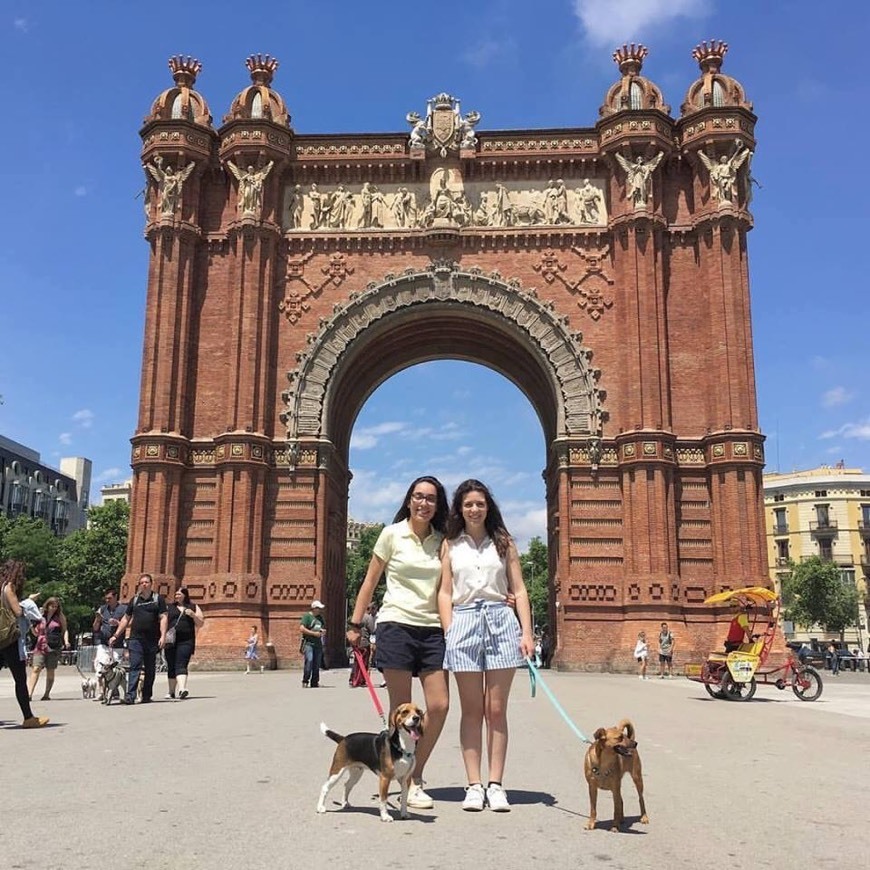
(735, 674)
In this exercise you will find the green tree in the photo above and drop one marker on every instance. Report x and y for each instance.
(358, 562)
(814, 593)
(30, 540)
(93, 559)
(535, 564)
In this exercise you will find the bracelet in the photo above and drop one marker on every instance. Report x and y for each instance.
(357, 626)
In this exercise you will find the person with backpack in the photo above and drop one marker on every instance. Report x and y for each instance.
(147, 617)
(52, 637)
(13, 629)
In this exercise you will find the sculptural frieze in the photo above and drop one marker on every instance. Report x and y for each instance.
(444, 128)
(446, 200)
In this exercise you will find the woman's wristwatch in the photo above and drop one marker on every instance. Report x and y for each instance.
(354, 625)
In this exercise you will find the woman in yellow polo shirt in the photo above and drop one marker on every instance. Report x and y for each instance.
(410, 638)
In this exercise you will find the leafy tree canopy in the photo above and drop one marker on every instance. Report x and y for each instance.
(78, 568)
(358, 563)
(814, 594)
(535, 564)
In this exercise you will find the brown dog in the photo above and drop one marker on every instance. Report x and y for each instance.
(389, 754)
(608, 759)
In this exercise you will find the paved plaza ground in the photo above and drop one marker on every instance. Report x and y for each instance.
(230, 778)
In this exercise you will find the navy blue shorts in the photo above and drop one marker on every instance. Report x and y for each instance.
(409, 648)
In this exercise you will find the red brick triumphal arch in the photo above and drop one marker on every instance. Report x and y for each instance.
(602, 269)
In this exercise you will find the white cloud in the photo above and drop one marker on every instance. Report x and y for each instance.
(836, 396)
(109, 474)
(65, 438)
(81, 190)
(487, 50)
(84, 418)
(607, 22)
(368, 437)
(22, 25)
(859, 430)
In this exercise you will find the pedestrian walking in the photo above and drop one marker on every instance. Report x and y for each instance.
(641, 654)
(251, 655)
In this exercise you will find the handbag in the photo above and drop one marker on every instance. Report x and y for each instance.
(170, 633)
(9, 631)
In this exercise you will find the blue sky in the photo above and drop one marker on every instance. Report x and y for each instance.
(78, 78)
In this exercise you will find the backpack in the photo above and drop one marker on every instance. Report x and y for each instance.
(9, 631)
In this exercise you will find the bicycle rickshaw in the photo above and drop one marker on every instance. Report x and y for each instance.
(734, 676)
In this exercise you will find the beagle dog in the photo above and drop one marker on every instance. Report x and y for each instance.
(390, 754)
(608, 759)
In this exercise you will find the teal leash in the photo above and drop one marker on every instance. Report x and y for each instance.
(535, 678)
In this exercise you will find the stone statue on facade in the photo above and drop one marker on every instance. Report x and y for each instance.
(556, 203)
(467, 137)
(638, 177)
(319, 208)
(723, 175)
(446, 207)
(169, 185)
(341, 208)
(250, 181)
(295, 207)
(590, 200)
(503, 210)
(403, 208)
(372, 201)
(420, 134)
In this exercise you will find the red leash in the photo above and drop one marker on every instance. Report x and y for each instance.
(374, 695)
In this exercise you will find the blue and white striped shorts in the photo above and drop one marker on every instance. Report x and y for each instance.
(484, 636)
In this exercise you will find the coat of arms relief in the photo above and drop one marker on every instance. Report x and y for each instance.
(444, 129)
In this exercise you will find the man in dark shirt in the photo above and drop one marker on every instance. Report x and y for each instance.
(146, 616)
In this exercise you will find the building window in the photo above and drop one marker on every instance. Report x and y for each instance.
(781, 552)
(635, 96)
(865, 516)
(780, 524)
(826, 551)
(823, 517)
(821, 493)
(779, 497)
(864, 493)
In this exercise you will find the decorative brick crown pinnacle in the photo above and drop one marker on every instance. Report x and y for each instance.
(184, 70)
(710, 55)
(630, 57)
(262, 68)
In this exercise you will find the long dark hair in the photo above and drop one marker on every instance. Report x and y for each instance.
(186, 595)
(494, 524)
(439, 521)
(12, 571)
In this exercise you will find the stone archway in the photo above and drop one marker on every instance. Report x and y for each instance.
(563, 390)
(443, 311)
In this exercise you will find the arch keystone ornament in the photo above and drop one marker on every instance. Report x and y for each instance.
(332, 262)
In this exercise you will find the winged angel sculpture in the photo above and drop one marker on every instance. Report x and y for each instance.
(638, 177)
(723, 175)
(169, 185)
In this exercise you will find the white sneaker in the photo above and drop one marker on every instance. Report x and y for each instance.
(418, 799)
(497, 799)
(640, 677)
(474, 798)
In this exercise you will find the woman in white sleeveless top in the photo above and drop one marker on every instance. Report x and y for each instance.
(484, 643)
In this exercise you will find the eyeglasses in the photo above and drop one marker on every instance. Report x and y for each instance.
(419, 498)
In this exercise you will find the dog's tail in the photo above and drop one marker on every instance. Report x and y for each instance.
(626, 725)
(332, 735)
